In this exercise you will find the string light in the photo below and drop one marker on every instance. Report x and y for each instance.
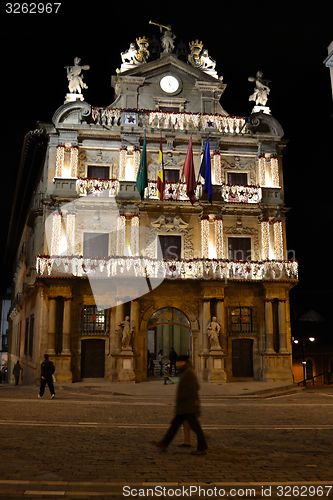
(217, 169)
(60, 159)
(275, 172)
(135, 240)
(261, 170)
(56, 233)
(278, 240)
(204, 237)
(122, 163)
(265, 240)
(219, 238)
(74, 157)
(121, 234)
(70, 232)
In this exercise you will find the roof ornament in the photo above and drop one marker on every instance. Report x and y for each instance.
(135, 55)
(199, 58)
(75, 81)
(167, 38)
(260, 94)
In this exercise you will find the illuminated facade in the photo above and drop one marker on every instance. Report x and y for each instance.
(225, 259)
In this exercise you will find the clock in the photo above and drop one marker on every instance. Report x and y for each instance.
(169, 84)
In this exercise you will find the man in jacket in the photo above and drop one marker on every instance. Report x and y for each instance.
(187, 407)
(46, 376)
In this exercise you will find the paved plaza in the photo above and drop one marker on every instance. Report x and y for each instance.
(94, 441)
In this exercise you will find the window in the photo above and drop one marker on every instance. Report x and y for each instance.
(95, 172)
(239, 248)
(241, 320)
(95, 245)
(237, 179)
(171, 175)
(171, 247)
(93, 321)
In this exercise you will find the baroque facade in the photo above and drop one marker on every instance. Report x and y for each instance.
(104, 275)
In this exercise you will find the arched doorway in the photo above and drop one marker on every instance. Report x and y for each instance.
(168, 327)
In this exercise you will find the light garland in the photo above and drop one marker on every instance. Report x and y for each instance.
(74, 159)
(137, 156)
(265, 237)
(275, 172)
(217, 169)
(122, 163)
(60, 160)
(70, 232)
(204, 237)
(144, 267)
(135, 240)
(261, 171)
(278, 240)
(121, 234)
(219, 238)
(56, 233)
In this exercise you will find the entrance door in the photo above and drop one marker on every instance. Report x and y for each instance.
(92, 358)
(242, 358)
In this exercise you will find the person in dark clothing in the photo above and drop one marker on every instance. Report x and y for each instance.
(172, 358)
(17, 370)
(46, 377)
(187, 407)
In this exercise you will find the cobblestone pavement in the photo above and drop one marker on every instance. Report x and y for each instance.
(94, 441)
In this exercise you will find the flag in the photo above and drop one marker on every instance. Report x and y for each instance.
(189, 174)
(142, 175)
(206, 172)
(160, 174)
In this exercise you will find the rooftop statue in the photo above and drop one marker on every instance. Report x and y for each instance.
(167, 38)
(75, 81)
(135, 54)
(261, 91)
(199, 58)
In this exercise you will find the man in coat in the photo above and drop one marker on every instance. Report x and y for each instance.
(187, 407)
(47, 369)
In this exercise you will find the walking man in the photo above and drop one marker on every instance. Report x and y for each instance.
(187, 407)
(46, 377)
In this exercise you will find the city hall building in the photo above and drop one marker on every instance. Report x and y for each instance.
(126, 249)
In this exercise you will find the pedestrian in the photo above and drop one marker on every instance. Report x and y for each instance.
(47, 370)
(160, 359)
(17, 370)
(172, 358)
(187, 407)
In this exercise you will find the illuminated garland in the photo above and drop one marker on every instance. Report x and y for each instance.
(204, 237)
(275, 172)
(121, 233)
(56, 233)
(278, 240)
(70, 232)
(60, 159)
(265, 240)
(219, 238)
(74, 158)
(135, 239)
(217, 169)
(122, 163)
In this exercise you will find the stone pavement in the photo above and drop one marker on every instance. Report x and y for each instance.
(94, 441)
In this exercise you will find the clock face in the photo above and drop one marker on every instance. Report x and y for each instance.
(169, 84)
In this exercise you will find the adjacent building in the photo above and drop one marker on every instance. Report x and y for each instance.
(112, 264)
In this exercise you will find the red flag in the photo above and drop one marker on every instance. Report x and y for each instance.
(160, 174)
(189, 174)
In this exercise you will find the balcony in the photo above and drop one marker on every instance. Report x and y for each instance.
(144, 267)
(241, 194)
(114, 117)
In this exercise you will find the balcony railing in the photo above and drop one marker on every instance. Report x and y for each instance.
(115, 117)
(144, 267)
(241, 194)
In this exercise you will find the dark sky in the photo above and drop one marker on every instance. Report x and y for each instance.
(242, 38)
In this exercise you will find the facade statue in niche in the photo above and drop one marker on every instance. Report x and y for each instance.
(75, 81)
(127, 331)
(261, 91)
(213, 331)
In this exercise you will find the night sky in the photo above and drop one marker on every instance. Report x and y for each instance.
(289, 49)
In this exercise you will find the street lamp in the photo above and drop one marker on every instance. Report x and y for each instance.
(303, 341)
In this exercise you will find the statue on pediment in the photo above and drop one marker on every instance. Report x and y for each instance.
(135, 54)
(167, 38)
(199, 58)
(75, 80)
(261, 91)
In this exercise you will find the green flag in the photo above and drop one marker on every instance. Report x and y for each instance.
(142, 176)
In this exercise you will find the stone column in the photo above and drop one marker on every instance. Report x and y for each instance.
(66, 330)
(269, 326)
(282, 327)
(51, 326)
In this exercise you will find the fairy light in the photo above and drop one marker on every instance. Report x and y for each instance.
(278, 240)
(264, 240)
(204, 237)
(135, 235)
(219, 238)
(122, 163)
(56, 233)
(136, 157)
(217, 169)
(275, 172)
(121, 234)
(60, 159)
(74, 157)
(70, 232)
(261, 170)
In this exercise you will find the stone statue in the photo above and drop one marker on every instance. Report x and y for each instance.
(261, 91)
(199, 58)
(76, 83)
(127, 331)
(167, 38)
(213, 331)
(129, 55)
